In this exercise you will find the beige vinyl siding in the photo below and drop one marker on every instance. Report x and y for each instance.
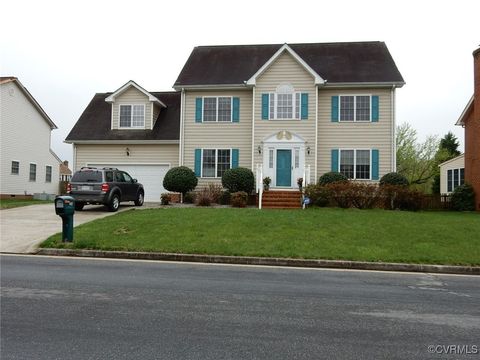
(116, 154)
(286, 70)
(131, 96)
(218, 135)
(24, 137)
(355, 135)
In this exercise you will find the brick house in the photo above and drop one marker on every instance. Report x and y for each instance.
(470, 120)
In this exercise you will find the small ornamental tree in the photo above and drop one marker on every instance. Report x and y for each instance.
(180, 179)
(238, 179)
(394, 178)
(331, 177)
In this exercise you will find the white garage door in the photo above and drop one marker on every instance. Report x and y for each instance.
(151, 176)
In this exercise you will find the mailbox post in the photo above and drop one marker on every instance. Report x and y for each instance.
(65, 208)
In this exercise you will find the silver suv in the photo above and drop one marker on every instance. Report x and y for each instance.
(107, 186)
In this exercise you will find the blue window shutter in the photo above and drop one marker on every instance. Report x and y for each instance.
(375, 108)
(265, 106)
(304, 102)
(234, 158)
(334, 108)
(198, 110)
(335, 160)
(236, 109)
(449, 180)
(375, 164)
(198, 162)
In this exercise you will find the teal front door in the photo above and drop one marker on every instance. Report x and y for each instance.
(284, 168)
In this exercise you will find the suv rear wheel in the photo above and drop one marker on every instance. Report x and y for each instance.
(79, 206)
(140, 199)
(114, 203)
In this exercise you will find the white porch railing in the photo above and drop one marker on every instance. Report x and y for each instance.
(259, 177)
(306, 181)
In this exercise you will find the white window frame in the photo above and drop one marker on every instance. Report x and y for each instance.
(458, 179)
(46, 173)
(216, 110)
(18, 167)
(354, 108)
(216, 161)
(29, 172)
(131, 116)
(355, 162)
(296, 105)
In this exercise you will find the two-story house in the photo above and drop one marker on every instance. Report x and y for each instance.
(27, 163)
(291, 110)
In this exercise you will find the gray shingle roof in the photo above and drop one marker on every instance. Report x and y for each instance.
(348, 62)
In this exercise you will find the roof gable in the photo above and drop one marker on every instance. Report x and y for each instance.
(129, 84)
(23, 89)
(285, 48)
(465, 113)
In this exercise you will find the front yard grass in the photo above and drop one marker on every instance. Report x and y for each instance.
(13, 203)
(348, 234)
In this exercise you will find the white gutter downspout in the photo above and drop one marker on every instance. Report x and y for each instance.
(316, 135)
(182, 109)
(394, 138)
(74, 167)
(253, 129)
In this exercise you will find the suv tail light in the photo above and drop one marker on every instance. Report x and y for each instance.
(105, 187)
(69, 188)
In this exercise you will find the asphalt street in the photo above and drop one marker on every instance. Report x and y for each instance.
(68, 308)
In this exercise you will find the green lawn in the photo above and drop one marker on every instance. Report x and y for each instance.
(364, 235)
(12, 203)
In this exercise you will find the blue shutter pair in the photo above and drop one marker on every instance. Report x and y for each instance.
(199, 110)
(335, 156)
(198, 161)
(335, 108)
(303, 106)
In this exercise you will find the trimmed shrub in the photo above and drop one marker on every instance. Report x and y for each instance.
(331, 177)
(180, 179)
(189, 198)
(225, 198)
(341, 193)
(238, 179)
(165, 199)
(363, 195)
(203, 198)
(463, 198)
(239, 199)
(394, 178)
(319, 195)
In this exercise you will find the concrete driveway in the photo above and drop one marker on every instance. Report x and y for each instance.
(24, 228)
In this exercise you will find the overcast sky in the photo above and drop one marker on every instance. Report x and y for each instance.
(66, 51)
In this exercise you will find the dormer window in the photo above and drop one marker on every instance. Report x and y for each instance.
(132, 116)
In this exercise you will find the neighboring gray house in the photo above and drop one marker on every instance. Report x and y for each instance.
(27, 164)
(291, 110)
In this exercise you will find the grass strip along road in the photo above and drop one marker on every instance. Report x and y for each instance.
(343, 234)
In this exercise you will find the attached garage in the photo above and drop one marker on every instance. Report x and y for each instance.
(151, 176)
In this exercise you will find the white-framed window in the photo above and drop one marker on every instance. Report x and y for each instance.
(217, 108)
(33, 172)
(355, 164)
(355, 107)
(215, 162)
(284, 103)
(270, 158)
(132, 116)
(455, 178)
(15, 170)
(48, 174)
